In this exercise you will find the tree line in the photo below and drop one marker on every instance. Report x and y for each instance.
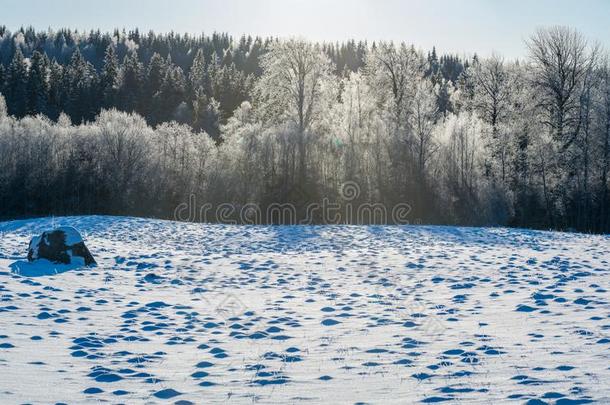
(196, 80)
(479, 141)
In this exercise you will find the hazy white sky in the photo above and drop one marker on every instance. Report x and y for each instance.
(462, 26)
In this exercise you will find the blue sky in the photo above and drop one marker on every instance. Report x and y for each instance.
(462, 26)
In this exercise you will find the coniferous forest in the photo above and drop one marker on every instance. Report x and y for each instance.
(137, 124)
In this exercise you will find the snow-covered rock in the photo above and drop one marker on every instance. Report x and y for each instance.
(62, 245)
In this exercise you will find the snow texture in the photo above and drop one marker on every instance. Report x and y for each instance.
(191, 313)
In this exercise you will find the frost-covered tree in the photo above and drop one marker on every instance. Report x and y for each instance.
(424, 117)
(291, 90)
(469, 141)
(244, 156)
(122, 149)
(492, 85)
(563, 63)
(394, 72)
(460, 139)
(198, 74)
(3, 110)
(356, 120)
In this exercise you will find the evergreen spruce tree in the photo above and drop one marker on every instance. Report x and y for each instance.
(155, 74)
(433, 63)
(198, 75)
(206, 114)
(443, 96)
(16, 85)
(109, 78)
(230, 87)
(252, 65)
(131, 82)
(56, 90)
(2, 78)
(172, 92)
(81, 89)
(38, 86)
(213, 73)
(227, 59)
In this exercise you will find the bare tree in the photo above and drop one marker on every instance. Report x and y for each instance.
(492, 102)
(425, 114)
(560, 58)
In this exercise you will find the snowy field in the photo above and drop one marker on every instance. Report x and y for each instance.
(189, 313)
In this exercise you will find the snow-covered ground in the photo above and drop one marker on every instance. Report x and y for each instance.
(192, 313)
